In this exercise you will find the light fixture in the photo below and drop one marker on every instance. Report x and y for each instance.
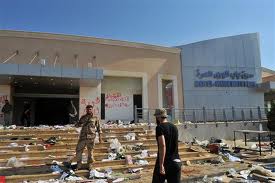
(9, 77)
(30, 78)
(51, 79)
(36, 83)
(15, 82)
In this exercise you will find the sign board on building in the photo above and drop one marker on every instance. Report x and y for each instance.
(224, 79)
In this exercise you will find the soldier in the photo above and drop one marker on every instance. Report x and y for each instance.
(90, 125)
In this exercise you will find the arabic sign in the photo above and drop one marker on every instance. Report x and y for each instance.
(219, 79)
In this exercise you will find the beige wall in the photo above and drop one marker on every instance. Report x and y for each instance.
(269, 78)
(146, 59)
(266, 74)
(119, 91)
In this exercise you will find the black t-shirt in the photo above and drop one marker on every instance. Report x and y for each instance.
(170, 133)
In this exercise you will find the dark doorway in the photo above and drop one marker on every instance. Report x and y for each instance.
(103, 106)
(52, 111)
(138, 103)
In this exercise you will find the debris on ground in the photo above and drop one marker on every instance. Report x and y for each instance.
(14, 162)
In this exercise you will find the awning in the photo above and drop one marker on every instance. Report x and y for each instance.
(85, 76)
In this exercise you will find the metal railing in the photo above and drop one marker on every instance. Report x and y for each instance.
(205, 115)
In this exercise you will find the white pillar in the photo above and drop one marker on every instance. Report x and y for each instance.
(90, 96)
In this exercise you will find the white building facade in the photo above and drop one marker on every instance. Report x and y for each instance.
(223, 73)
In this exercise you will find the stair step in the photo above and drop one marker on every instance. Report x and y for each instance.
(72, 140)
(53, 131)
(64, 152)
(62, 158)
(71, 146)
(85, 173)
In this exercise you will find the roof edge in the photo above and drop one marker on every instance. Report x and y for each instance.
(85, 39)
(222, 37)
(268, 70)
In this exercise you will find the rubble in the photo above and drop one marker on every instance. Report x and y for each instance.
(14, 162)
(136, 149)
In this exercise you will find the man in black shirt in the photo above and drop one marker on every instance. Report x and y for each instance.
(168, 163)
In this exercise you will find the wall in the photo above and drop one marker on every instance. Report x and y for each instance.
(90, 96)
(205, 131)
(110, 55)
(119, 93)
(5, 93)
(235, 54)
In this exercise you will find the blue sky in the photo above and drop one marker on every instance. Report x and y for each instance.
(160, 22)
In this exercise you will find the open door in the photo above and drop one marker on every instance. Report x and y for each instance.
(137, 102)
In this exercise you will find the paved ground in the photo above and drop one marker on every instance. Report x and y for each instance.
(196, 172)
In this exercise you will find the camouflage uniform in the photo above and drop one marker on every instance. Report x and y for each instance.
(90, 125)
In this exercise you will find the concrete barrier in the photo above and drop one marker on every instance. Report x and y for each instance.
(221, 130)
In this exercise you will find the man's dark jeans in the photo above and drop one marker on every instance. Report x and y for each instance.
(172, 170)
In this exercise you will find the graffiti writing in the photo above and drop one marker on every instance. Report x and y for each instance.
(87, 101)
(3, 98)
(116, 100)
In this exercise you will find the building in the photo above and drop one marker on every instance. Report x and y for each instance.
(223, 73)
(47, 71)
(213, 80)
(269, 86)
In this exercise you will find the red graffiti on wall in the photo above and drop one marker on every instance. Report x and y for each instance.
(85, 101)
(3, 98)
(116, 100)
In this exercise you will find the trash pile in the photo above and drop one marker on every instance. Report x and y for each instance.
(122, 124)
(254, 174)
(67, 174)
(59, 127)
(118, 151)
(95, 175)
(108, 175)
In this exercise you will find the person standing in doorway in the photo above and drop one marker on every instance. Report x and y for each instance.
(168, 163)
(26, 115)
(90, 125)
(7, 110)
(72, 112)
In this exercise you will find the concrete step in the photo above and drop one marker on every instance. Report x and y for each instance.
(71, 140)
(61, 137)
(68, 146)
(112, 163)
(85, 173)
(99, 164)
(36, 158)
(65, 152)
(53, 131)
(61, 133)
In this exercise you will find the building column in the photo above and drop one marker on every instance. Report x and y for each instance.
(90, 96)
